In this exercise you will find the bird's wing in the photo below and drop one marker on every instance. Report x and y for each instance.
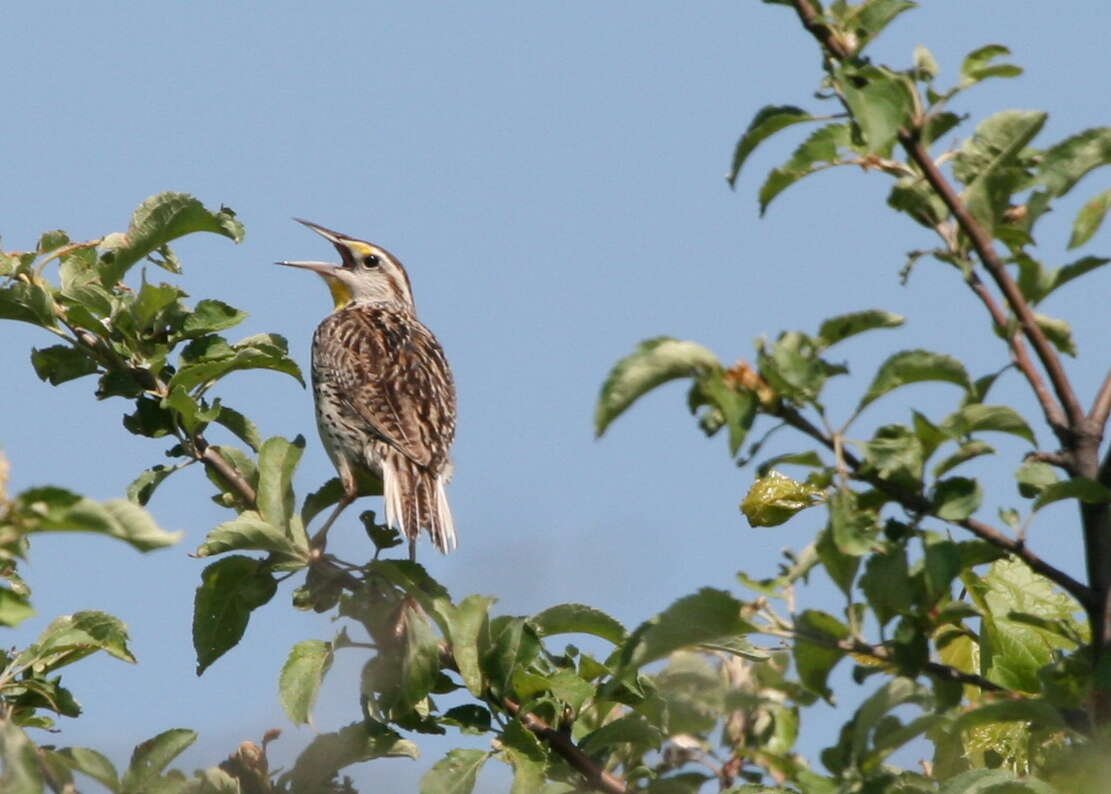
(392, 374)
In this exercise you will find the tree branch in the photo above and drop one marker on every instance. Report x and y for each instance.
(559, 741)
(218, 463)
(1101, 407)
(985, 250)
(917, 503)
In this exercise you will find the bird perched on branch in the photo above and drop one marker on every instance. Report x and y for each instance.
(385, 401)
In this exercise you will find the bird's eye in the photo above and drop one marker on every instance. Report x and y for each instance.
(371, 260)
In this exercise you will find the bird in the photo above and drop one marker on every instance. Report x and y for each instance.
(383, 391)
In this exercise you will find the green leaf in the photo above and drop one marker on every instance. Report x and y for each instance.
(775, 498)
(915, 366)
(277, 460)
(527, 756)
(455, 773)
(702, 617)
(245, 357)
(91, 763)
(956, 498)
(514, 646)
(1064, 164)
(794, 367)
(249, 531)
(330, 752)
(420, 661)
(977, 65)
(821, 149)
(152, 756)
(841, 327)
(967, 451)
(20, 769)
(885, 583)
(815, 649)
(1089, 219)
(157, 221)
(14, 607)
(1058, 332)
(840, 566)
(151, 301)
(230, 589)
(58, 510)
(415, 581)
(243, 428)
(977, 417)
(868, 19)
(1080, 488)
(578, 619)
(1034, 477)
(941, 564)
(61, 363)
(301, 677)
(209, 316)
(993, 165)
(71, 638)
(736, 406)
(630, 729)
(28, 303)
(468, 718)
(897, 455)
(769, 120)
(880, 102)
(654, 362)
(925, 64)
(464, 630)
(142, 487)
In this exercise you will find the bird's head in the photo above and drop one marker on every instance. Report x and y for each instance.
(367, 273)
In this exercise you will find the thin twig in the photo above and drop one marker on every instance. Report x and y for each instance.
(985, 250)
(559, 741)
(211, 458)
(917, 503)
(1101, 407)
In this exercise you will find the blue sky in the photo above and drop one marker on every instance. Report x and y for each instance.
(552, 176)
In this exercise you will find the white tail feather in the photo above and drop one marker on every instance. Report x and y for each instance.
(414, 502)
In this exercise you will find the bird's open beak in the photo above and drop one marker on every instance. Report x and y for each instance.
(323, 268)
(335, 238)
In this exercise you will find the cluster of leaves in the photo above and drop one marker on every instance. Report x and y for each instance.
(1009, 664)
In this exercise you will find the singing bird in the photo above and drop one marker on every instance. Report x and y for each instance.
(385, 400)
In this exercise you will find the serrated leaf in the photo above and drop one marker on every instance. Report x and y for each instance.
(157, 221)
(514, 645)
(249, 531)
(243, 428)
(230, 590)
(654, 362)
(578, 619)
(966, 452)
(1089, 219)
(841, 327)
(60, 363)
(71, 638)
(277, 461)
(915, 366)
(956, 498)
(880, 103)
(455, 773)
(302, 674)
(328, 753)
(142, 487)
(978, 418)
(1080, 488)
(815, 650)
(1064, 164)
(852, 529)
(977, 65)
(191, 375)
(775, 498)
(152, 756)
(991, 165)
(701, 617)
(209, 316)
(91, 763)
(820, 150)
(527, 756)
(769, 120)
(464, 630)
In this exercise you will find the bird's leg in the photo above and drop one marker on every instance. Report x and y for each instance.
(412, 549)
(321, 537)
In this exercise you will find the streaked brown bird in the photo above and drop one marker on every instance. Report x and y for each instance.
(385, 400)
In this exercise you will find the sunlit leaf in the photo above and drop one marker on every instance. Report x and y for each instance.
(977, 65)
(1080, 488)
(775, 498)
(880, 102)
(465, 629)
(654, 362)
(1089, 219)
(249, 531)
(1064, 164)
(154, 755)
(769, 120)
(915, 366)
(328, 753)
(301, 677)
(578, 619)
(821, 149)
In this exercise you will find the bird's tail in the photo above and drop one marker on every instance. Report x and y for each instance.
(415, 500)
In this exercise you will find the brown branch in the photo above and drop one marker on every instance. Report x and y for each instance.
(985, 250)
(830, 42)
(936, 669)
(917, 503)
(218, 463)
(1101, 407)
(559, 741)
(1021, 357)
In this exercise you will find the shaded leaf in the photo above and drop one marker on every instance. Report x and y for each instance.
(821, 149)
(769, 120)
(1064, 164)
(1077, 488)
(815, 649)
(301, 677)
(152, 756)
(142, 487)
(240, 425)
(91, 763)
(966, 452)
(956, 498)
(1034, 477)
(330, 752)
(654, 362)
(884, 582)
(230, 589)
(578, 619)
(464, 630)
(977, 65)
(915, 366)
(61, 363)
(630, 729)
(209, 316)
(20, 770)
(527, 756)
(843, 326)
